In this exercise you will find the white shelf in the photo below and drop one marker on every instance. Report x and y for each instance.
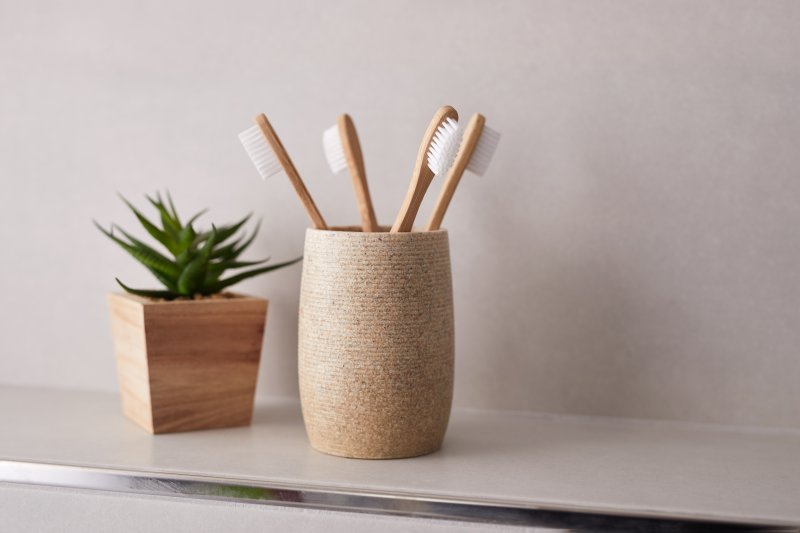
(503, 458)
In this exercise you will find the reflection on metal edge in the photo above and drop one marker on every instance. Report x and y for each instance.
(364, 501)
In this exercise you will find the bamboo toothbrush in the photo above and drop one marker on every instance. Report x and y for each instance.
(342, 150)
(475, 149)
(422, 177)
(269, 156)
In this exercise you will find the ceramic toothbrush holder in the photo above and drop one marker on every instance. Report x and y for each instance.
(376, 342)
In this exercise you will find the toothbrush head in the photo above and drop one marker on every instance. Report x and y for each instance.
(334, 149)
(260, 152)
(444, 146)
(484, 151)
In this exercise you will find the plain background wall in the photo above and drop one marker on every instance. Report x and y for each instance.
(633, 250)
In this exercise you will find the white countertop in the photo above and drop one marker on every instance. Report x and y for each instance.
(607, 465)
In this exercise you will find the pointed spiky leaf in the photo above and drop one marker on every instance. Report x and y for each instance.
(210, 279)
(238, 264)
(249, 241)
(186, 239)
(236, 250)
(227, 282)
(200, 258)
(225, 252)
(151, 228)
(170, 226)
(174, 211)
(168, 282)
(195, 217)
(166, 295)
(185, 257)
(165, 267)
(226, 232)
(142, 246)
(192, 277)
(215, 270)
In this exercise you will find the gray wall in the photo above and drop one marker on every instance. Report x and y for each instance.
(633, 250)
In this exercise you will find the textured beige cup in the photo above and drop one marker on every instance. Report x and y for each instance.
(376, 342)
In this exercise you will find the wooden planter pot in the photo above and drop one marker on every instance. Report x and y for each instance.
(376, 342)
(187, 364)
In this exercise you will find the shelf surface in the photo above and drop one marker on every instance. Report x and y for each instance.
(587, 464)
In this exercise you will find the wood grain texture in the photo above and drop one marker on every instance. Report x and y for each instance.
(294, 176)
(358, 173)
(422, 177)
(187, 365)
(472, 135)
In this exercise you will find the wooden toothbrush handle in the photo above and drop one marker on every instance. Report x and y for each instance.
(291, 171)
(355, 164)
(469, 141)
(422, 177)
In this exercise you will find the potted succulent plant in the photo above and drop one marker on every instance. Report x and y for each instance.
(188, 354)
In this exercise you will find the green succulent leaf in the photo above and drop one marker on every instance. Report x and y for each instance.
(210, 279)
(186, 238)
(225, 252)
(226, 232)
(227, 282)
(199, 258)
(215, 270)
(184, 258)
(190, 280)
(156, 262)
(195, 217)
(249, 241)
(168, 282)
(152, 229)
(142, 246)
(166, 295)
(225, 265)
(170, 226)
(174, 212)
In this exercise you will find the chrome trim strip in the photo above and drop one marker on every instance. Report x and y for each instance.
(252, 492)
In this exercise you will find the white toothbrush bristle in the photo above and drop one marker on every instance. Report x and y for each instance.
(484, 151)
(334, 151)
(260, 152)
(444, 146)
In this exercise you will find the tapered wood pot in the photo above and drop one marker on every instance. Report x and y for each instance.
(187, 364)
(376, 342)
